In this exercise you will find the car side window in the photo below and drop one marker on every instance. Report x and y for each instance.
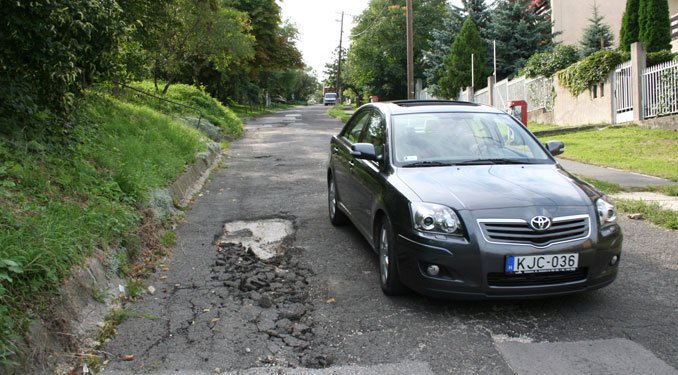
(353, 131)
(376, 132)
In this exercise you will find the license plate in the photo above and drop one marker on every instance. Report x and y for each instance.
(542, 263)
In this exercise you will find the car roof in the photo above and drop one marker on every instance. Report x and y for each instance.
(430, 106)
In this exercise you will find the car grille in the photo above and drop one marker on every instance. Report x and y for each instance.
(534, 279)
(517, 231)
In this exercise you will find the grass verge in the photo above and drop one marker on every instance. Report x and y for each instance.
(647, 151)
(63, 199)
(339, 113)
(651, 212)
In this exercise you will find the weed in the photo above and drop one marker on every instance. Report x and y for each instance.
(652, 212)
(168, 238)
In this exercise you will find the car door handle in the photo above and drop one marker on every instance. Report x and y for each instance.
(335, 150)
(351, 163)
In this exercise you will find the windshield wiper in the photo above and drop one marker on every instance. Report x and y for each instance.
(427, 163)
(493, 161)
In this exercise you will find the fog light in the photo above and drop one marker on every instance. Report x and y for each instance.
(433, 270)
(614, 260)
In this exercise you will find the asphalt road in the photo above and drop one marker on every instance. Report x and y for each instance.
(322, 311)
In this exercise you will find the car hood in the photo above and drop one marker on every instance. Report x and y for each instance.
(482, 187)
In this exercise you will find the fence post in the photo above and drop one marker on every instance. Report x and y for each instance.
(637, 67)
(490, 91)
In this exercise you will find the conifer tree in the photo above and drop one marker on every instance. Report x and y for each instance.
(597, 35)
(457, 69)
(629, 29)
(654, 26)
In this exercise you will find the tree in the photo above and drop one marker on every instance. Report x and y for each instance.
(629, 30)
(51, 51)
(597, 35)
(457, 73)
(378, 55)
(654, 26)
(519, 32)
(207, 33)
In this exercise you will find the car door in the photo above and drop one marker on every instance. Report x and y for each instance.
(368, 173)
(345, 162)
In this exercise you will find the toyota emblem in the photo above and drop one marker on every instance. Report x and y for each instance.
(540, 223)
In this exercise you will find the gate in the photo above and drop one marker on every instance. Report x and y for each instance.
(623, 93)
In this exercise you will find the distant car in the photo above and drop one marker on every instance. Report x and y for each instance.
(461, 200)
(278, 99)
(330, 98)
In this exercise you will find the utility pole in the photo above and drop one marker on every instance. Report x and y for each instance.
(410, 51)
(341, 36)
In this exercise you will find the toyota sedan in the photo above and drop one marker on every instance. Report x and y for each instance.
(461, 200)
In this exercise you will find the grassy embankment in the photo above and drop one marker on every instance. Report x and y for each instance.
(64, 199)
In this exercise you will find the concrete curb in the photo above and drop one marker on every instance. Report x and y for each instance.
(573, 129)
(191, 181)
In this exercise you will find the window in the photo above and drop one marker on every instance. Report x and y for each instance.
(353, 131)
(375, 133)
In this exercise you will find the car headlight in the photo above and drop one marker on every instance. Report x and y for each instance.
(435, 218)
(607, 213)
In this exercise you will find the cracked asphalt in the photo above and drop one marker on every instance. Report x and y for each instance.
(317, 307)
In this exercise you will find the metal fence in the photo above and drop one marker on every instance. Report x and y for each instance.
(537, 92)
(660, 89)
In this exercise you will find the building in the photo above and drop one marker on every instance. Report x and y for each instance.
(570, 18)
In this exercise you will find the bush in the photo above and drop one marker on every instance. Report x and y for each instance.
(548, 63)
(589, 71)
(654, 58)
(51, 50)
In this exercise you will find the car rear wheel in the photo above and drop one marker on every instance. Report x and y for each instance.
(337, 217)
(388, 270)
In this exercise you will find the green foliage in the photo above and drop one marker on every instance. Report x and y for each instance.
(51, 51)
(629, 30)
(440, 43)
(378, 53)
(597, 35)
(652, 212)
(548, 63)
(520, 32)
(206, 106)
(61, 200)
(654, 58)
(654, 26)
(457, 74)
(143, 148)
(589, 71)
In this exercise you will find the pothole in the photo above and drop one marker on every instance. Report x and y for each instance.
(263, 237)
(255, 263)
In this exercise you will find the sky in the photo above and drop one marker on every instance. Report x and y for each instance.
(319, 26)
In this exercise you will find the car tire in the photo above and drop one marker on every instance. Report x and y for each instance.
(337, 217)
(389, 278)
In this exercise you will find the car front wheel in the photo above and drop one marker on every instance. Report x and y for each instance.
(388, 270)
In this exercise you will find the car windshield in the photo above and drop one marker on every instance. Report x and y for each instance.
(435, 139)
(331, 96)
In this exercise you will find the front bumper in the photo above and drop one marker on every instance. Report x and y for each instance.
(475, 269)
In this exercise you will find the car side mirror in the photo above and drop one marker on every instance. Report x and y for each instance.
(555, 147)
(364, 151)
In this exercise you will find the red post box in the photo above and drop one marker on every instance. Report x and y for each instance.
(518, 108)
(374, 98)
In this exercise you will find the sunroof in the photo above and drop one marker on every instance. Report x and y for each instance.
(414, 103)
